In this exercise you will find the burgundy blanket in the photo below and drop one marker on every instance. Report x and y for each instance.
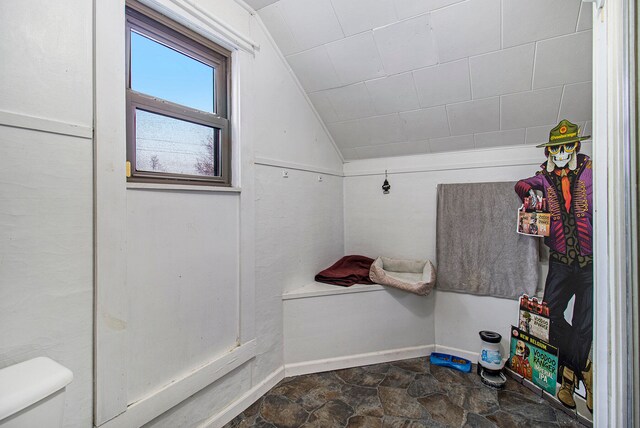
(347, 271)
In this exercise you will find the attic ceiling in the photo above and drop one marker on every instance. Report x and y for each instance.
(401, 77)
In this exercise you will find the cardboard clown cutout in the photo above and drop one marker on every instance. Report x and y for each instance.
(565, 180)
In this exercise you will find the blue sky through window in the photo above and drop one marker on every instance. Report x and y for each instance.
(165, 73)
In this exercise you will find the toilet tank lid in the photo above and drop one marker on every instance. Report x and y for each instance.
(26, 383)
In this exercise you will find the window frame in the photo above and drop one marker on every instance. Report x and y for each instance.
(163, 30)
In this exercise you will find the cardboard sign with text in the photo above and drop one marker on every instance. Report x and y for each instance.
(534, 359)
(533, 318)
(533, 224)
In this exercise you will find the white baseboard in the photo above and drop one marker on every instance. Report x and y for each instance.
(172, 394)
(241, 404)
(469, 355)
(337, 363)
(327, 364)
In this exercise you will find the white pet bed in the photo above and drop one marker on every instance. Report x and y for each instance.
(415, 276)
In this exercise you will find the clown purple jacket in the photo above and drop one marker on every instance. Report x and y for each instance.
(581, 203)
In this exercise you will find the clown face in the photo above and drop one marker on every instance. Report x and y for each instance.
(563, 154)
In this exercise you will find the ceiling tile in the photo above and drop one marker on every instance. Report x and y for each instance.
(406, 45)
(350, 154)
(525, 21)
(356, 58)
(424, 124)
(389, 150)
(384, 129)
(565, 59)
(393, 94)
(314, 69)
(474, 116)
(465, 29)
(576, 102)
(274, 20)
(450, 144)
(348, 134)
(585, 19)
(442, 84)
(259, 4)
(323, 106)
(356, 16)
(528, 109)
(502, 72)
(538, 134)
(313, 22)
(426, 75)
(351, 102)
(409, 8)
(512, 137)
(369, 131)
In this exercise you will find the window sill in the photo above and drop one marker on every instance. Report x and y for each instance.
(317, 289)
(182, 187)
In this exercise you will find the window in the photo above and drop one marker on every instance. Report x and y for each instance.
(177, 103)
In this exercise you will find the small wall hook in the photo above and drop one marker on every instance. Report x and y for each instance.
(385, 186)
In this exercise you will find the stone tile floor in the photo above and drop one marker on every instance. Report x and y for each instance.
(407, 394)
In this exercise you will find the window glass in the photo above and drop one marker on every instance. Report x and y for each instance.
(177, 103)
(165, 73)
(168, 145)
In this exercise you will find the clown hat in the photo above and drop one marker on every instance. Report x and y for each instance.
(565, 132)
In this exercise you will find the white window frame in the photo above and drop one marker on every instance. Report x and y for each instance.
(156, 26)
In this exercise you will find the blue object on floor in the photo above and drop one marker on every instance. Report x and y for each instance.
(450, 361)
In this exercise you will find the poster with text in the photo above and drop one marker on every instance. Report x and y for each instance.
(534, 359)
(533, 318)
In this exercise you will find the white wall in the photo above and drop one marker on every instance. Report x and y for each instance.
(46, 298)
(46, 60)
(299, 225)
(403, 224)
(298, 220)
(170, 271)
(46, 180)
(298, 233)
(345, 330)
(46, 213)
(46, 219)
(283, 123)
(182, 284)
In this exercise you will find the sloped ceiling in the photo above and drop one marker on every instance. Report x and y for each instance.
(400, 77)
